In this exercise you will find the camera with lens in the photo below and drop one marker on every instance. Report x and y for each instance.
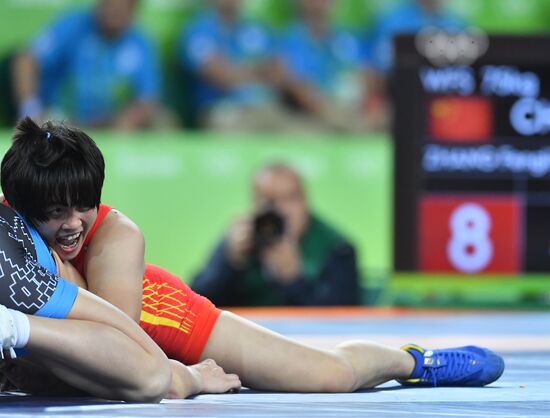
(268, 226)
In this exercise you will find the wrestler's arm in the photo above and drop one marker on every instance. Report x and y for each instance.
(104, 353)
(98, 353)
(101, 351)
(114, 263)
(149, 369)
(66, 270)
(118, 235)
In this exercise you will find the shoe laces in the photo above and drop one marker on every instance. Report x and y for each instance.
(446, 365)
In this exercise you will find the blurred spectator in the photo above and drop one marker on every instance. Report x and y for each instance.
(232, 69)
(324, 78)
(408, 18)
(282, 254)
(92, 67)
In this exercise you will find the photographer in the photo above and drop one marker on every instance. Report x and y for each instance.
(282, 254)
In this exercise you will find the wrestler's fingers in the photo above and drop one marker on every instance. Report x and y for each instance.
(234, 383)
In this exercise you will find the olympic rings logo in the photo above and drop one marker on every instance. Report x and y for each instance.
(442, 47)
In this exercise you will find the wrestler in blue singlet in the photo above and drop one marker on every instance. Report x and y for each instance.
(28, 280)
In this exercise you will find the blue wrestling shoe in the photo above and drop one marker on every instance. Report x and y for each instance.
(460, 366)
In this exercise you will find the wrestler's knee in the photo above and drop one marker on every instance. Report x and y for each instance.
(153, 385)
(339, 377)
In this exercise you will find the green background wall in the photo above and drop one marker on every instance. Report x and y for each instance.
(184, 190)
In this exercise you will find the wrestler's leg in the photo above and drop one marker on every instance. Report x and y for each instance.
(94, 357)
(268, 361)
(64, 354)
(98, 349)
(39, 374)
(27, 375)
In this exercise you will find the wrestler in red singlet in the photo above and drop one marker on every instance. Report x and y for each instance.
(176, 318)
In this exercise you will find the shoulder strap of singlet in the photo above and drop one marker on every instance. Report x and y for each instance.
(78, 261)
(101, 214)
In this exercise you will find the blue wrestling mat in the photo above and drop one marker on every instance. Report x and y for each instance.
(523, 339)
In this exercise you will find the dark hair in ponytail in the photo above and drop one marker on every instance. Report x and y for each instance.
(51, 165)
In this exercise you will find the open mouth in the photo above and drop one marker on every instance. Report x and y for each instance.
(69, 242)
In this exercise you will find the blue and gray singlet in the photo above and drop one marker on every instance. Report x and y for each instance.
(28, 280)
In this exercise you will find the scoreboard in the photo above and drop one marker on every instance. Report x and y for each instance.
(471, 133)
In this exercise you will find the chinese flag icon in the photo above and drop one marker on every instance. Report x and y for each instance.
(460, 120)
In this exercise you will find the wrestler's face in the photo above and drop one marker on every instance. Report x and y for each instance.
(66, 229)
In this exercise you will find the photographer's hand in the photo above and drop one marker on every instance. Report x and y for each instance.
(283, 260)
(239, 241)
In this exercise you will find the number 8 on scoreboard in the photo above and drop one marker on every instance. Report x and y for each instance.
(470, 233)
